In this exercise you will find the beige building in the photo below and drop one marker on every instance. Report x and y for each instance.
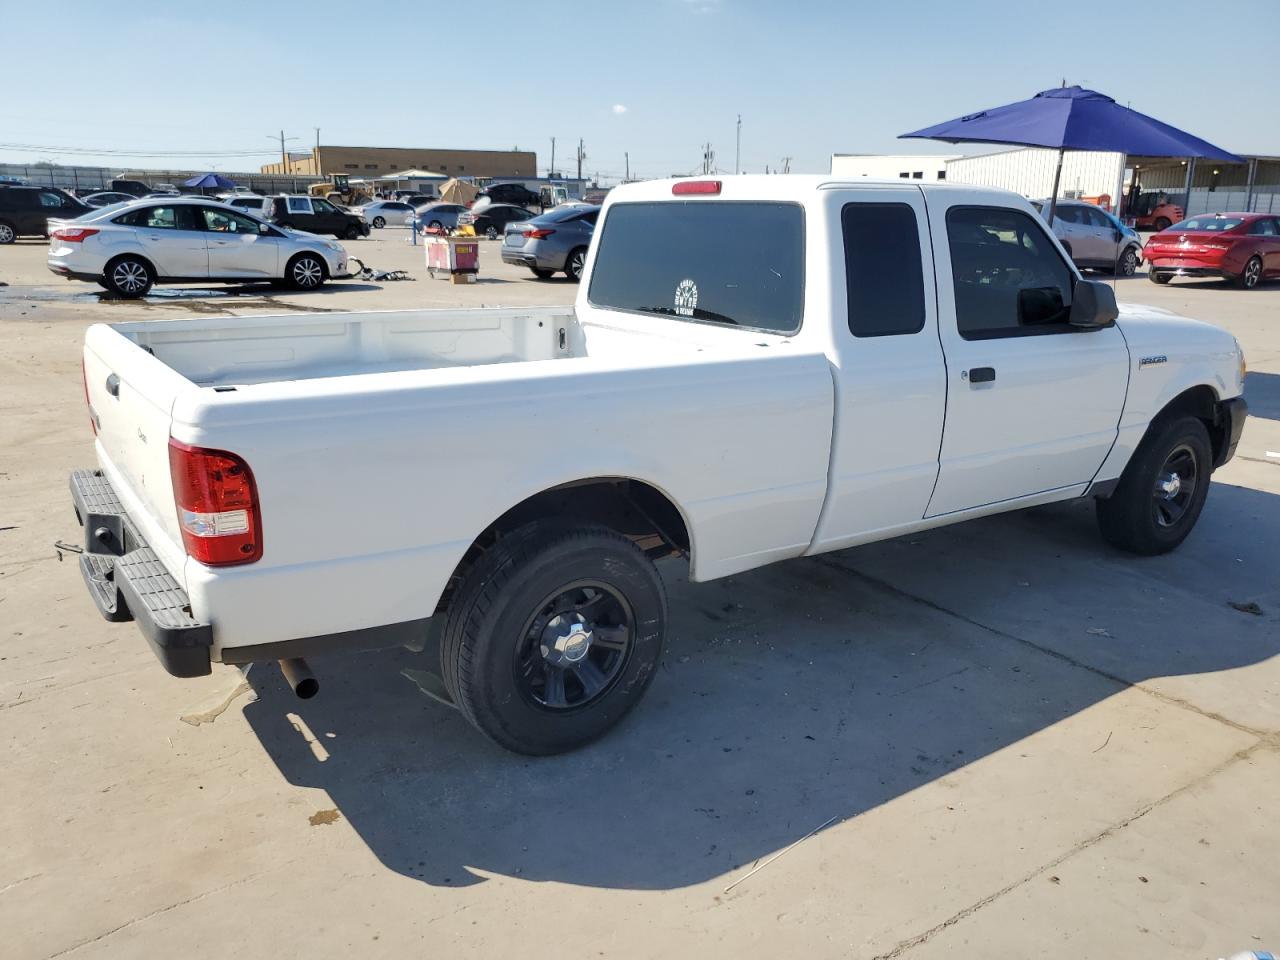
(379, 161)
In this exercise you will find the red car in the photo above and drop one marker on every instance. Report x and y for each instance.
(1244, 247)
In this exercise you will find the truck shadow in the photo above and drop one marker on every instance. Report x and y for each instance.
(813, 689)
(1262, 391)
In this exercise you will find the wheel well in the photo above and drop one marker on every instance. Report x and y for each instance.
(633, 508)
(324, 265)
(130, 256)
(1202, 403)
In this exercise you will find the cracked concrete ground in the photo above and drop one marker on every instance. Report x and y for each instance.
(1020, 743)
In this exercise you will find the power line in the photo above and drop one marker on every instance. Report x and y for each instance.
(119, 152)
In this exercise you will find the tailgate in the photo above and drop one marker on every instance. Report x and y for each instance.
(131, 396)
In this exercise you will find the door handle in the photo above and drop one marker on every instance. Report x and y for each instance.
(980, 374)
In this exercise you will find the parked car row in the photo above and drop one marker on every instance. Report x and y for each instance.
(1241, 247)
(555, 241)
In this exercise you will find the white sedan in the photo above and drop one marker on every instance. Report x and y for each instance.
(379, 213)
(129, 247)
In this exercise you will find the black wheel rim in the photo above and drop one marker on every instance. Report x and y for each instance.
(574, 647)
(1175, 486)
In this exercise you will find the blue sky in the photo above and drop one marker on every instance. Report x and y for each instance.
(656, 79)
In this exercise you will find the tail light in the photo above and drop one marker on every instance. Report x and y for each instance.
(704, 187)
(538, 233)
(84, 378)
(217, 503)
(74, 234)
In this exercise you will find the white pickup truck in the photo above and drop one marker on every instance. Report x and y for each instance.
(756, 368)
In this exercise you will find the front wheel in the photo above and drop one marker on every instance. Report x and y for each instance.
(553, 636)
(1127, 265)
(379, 222)
(1251, 275)
(129, 277)
(305, 272)
(1162, 490)
(1161, 223)
(491, 233)
(8, 232)
(542, 274)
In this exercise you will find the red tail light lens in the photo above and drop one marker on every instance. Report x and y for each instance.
(703, 187)
(217, 504)
(74, 234)
(538, 233)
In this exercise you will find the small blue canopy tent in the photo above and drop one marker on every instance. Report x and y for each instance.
(1072, 118)
(209, 180)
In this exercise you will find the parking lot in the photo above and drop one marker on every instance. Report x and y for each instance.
(998, 739)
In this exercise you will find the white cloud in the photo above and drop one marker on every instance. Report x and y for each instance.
(619, 108)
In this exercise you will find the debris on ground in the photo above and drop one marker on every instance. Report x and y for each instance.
(368, 273)
(1249, 607)
(1099, 631)
(62, 547)
(322, 817)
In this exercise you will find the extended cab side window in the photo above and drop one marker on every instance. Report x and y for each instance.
(299, 205)
(883, 271)
(1009, 278)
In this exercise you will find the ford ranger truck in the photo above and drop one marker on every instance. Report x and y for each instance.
(756, 369)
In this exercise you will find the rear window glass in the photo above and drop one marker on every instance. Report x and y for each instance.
(567, 213)
(1208, 224)
(721, 262)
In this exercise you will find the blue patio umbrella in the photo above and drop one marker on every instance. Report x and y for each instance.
(206, 180)
(1072, 118)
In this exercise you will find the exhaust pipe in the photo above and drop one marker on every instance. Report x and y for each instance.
(300, 678)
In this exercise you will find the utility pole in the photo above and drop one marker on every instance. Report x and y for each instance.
(316, 164)
(551, 171)
(786, 164)
(627, 178)
(284, 157)
(708, 158)
(582, 155)
(737, 150)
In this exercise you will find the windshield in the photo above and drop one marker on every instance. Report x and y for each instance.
(1208, 224)
(723, 262)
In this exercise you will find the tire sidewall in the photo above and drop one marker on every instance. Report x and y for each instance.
(581, 254)
(494, 700)
(1129, 262)
(1244, 274)
(1132, 502)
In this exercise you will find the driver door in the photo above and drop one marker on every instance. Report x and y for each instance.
(237, 247)
(1033, 404)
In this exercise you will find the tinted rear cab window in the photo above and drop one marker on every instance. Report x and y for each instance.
(883, 271)
(736, 263)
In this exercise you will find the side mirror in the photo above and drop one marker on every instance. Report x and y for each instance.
(1093, 306)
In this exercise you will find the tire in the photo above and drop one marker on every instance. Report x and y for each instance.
(435, 225)
(491, 232)
(499, 650)
(351, 233)
(575, 263)
(1160, 223)
(8, 232)
(306, 271)
(379, 222)
(1160, 278)
(1151, 510)
(1251, 275)
(1127, 265)
(542, 274)
(129, 277)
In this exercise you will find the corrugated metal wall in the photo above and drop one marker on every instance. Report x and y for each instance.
(1030, 172)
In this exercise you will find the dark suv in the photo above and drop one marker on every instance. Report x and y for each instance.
(516, 193)
(25, 210)
(315, 215)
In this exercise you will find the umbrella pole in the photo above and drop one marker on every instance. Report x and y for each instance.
(1053, 200)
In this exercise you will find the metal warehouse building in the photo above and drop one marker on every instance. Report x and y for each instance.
(1200, 186)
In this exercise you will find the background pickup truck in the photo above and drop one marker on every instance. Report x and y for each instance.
(755, 369)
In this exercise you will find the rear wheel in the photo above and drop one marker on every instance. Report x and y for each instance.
(1161, 223)
(1251, 275)
(306, 271)
(491, 232)
(1157, 277)
(1162, 490)
(576, 263)
(8, 232)
(542, 274)
(553, 636)
(129, 277)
